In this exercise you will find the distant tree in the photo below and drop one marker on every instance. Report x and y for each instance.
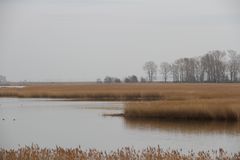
(214, 66)
(99, 80)
(151, 70)
(233, 65)
(116, 80)
(108, 79)
(175, 72)
(165, 69)
(143, 80)
(198, 69)
(131, 79)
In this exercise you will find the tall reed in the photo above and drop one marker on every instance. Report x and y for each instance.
(126, 153)
(207, 109)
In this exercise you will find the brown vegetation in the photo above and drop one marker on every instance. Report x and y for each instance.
(36, 153)
(204, 109)
(128, 92)
(105, 92)
(151, 100)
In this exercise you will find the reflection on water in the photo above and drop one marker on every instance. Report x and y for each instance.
(186, 127)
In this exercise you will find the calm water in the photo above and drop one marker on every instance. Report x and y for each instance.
(70, 123)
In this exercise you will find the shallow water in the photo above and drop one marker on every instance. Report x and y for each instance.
(49, 123)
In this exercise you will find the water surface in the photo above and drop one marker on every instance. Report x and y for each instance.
(49, 123)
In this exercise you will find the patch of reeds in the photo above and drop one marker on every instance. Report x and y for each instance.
(198, 109)
(94, 92)
(126, 153)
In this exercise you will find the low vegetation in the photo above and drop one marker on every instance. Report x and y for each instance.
(128, 92)
(221, 109)
(191, 101)
(95, 92)
(36, 153)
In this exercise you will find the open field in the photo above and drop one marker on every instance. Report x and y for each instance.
(128, 92)
(95, 92)
(36, 153)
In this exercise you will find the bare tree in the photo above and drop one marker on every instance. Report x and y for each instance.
(199, 70)
(211, 67)
(185, 70)
(179, 69)
(175, 72)
(215, 66)
(219, 65)
(151, 69)
(165, 69)
(233, 65)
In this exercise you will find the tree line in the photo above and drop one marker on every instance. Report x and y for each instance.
(215, 67)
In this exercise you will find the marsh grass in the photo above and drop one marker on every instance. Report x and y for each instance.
(150, 100)
(208, 109)
(126, 92)
(126, 153)
(95, 92)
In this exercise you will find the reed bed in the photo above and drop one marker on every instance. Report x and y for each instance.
(150, 153)
(126, 92)
(198, 109)
(95, 92)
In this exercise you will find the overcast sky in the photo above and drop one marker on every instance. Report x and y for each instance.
(82, 40)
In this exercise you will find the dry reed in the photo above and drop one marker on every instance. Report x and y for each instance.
(208, 109)
(126, 92)
(174, 101)
(150, 153)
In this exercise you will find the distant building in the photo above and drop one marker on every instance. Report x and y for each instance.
(3, 79)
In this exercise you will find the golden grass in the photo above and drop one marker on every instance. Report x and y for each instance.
(126, 92)
(203, 109)
(111, 92)
(150, 153)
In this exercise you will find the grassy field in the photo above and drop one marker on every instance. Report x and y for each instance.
(150, 153)
(95, 92)
(146, 91)
(149, 100)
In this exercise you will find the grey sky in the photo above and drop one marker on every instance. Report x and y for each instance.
(82, 40)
